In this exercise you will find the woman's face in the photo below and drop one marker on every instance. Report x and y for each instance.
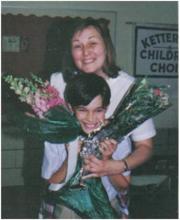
(90, 116)
(88, 51)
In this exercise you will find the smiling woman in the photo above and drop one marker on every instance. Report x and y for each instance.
(88, 51)
(59, 45)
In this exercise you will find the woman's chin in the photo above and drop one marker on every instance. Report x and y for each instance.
(89, 69)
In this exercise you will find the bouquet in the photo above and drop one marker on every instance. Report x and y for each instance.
(51, 119)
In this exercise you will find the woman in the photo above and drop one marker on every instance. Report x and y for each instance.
(91, 51)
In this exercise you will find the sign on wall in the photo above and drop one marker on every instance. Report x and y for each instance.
(156, 52)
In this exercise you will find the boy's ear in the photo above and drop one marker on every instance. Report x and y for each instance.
(106, 108)
(70, 107)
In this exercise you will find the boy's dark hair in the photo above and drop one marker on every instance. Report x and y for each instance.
(83, 88)
(110, 67)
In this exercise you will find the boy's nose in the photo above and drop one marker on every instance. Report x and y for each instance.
(90, 117)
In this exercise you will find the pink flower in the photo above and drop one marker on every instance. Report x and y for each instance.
(157, 92)
(51, 90)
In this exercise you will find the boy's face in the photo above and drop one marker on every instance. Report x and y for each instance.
(91, 115)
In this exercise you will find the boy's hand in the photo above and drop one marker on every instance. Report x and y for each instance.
(107, 148)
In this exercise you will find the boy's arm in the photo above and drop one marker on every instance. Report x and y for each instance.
(60, 174)
(54, 165)
(67, 167)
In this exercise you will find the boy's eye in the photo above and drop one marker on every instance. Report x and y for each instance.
(81, 109)
(100, 110)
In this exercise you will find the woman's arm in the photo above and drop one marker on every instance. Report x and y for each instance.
(143, 151)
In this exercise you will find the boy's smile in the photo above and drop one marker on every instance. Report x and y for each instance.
(90, 116)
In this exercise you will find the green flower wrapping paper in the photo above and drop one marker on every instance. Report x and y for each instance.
(143, 101)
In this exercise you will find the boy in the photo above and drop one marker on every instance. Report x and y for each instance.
(88, 95)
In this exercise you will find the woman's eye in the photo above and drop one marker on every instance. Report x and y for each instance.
(76, 46)
(93, 43)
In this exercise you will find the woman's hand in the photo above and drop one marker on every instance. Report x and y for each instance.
(102, 167)
(107, 148)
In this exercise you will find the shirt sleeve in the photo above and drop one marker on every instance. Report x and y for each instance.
(144, 131)
(57, 81)
(119, 87)
(54, 156)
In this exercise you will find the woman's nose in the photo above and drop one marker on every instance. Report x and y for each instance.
(86, 50)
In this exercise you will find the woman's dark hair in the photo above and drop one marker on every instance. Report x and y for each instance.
(83, 88)
(110, 67)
